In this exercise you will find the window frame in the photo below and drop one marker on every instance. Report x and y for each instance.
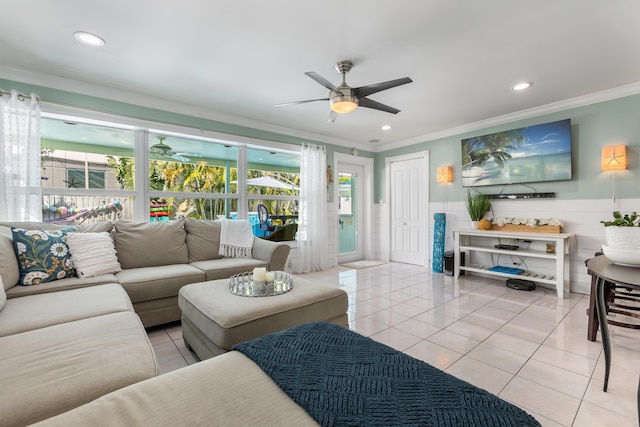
(142, 129)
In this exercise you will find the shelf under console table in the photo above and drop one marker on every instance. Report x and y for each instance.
(483, 241)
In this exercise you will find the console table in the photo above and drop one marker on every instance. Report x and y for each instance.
(483, 241)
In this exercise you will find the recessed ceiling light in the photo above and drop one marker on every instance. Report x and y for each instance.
(385, 127)
(522, 86)
(89, 39)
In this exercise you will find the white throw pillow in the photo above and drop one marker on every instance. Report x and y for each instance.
(93, 254)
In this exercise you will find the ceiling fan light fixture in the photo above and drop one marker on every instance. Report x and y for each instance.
(344, 104)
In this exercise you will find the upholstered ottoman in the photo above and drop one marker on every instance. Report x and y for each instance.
(213, 319)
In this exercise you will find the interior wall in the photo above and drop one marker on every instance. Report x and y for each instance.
(581, 203)
(593, 126)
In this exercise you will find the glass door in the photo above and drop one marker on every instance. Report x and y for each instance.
(349, 213)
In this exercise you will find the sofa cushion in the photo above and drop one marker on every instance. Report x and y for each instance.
(93, 254)
(148, 283)
(60, 285)
(51, 370)
(9, 269)
(43, 255)
(3, 295)
(93, 227)
(211, 393)
(224, 268)
(151, 243)
(203, 239)
(96, 227)
(39, 311)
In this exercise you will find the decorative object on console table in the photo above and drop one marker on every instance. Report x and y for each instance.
(527, 225)
(478, 205)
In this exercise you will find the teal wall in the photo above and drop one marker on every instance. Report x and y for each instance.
(151, 114)
(593, 127)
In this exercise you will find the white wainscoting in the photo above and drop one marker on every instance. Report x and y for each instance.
(380, 231)
(581, 217)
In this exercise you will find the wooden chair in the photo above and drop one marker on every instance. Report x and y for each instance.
(621, 300)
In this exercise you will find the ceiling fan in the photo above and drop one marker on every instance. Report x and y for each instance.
(161, 149)
(345, 99)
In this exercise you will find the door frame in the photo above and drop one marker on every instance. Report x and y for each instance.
(364, 211)
(424, 155)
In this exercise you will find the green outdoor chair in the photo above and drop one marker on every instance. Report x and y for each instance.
(285, 233)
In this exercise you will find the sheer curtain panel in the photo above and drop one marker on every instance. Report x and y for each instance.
(311, 254)
(21, 192)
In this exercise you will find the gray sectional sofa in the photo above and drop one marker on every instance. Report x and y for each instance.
(67, 342)
(157, 259)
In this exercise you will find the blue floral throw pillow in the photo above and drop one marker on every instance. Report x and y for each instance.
(43, 255)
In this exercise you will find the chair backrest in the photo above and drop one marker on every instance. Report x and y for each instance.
(285, 233)
(263, 214)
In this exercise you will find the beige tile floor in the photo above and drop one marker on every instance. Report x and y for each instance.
(529, 348)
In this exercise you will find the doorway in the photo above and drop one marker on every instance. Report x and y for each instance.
(350, 232)
(408, 196)
(353, 190)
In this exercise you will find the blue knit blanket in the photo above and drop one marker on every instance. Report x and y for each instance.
(342, 378)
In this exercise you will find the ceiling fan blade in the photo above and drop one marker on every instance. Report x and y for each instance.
(179, 158)
(324, 82)
(369, 103)
(301, 102)
(363, 91)
(332, 117)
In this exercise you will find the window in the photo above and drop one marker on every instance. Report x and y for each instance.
(83, 171)
(77, 178)
(91, 167)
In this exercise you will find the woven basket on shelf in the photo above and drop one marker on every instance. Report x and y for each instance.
(527, 228)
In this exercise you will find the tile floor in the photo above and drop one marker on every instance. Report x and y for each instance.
(529, 348)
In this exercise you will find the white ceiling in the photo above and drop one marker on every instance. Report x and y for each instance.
(234, 60)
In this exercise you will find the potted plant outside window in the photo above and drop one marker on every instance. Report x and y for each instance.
(478, 205)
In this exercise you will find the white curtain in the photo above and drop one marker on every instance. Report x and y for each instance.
(20, 188)
(311, 254)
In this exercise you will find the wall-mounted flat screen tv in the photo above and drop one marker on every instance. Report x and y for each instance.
(530, 154)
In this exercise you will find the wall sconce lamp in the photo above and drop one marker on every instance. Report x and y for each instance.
(614, 158)
(444, 174)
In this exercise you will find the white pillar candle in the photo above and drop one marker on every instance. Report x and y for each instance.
(270, 276)
(259, 274)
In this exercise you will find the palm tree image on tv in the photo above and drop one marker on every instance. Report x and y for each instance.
(529, 154)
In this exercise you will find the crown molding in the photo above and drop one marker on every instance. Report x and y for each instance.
(93, 90)
(555, 107)
(97, 91)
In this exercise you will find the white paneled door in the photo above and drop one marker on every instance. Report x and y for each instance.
(408, 197)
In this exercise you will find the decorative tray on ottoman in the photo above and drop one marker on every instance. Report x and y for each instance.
(242, 284)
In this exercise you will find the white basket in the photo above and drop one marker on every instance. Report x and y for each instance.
(623, 237)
